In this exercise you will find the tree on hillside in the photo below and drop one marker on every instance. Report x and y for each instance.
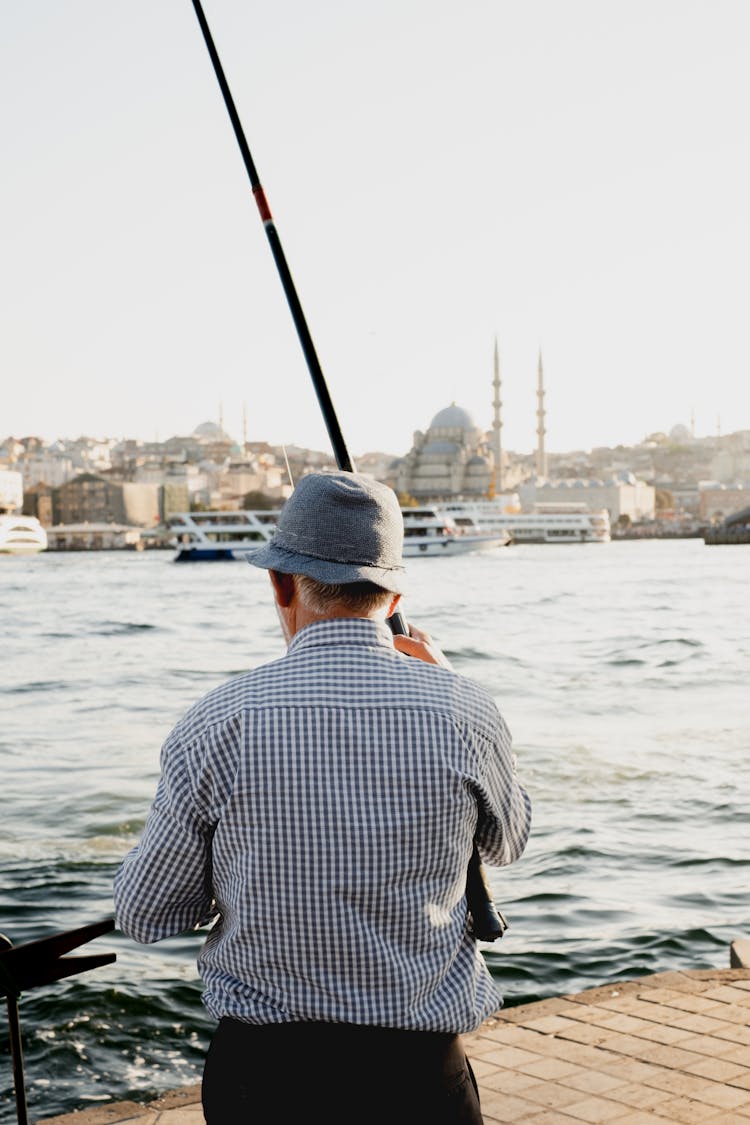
(259, 501)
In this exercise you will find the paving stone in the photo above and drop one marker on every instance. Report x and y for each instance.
(735, 1013)
(506, 1081)
(178, 1098)
(635, 1094)
(728, 994)
(689, 1112)
(510, 1057)
(631, 1070)
(662, 1033)
(676, 1058)
(550, 1025)
(629, 1045)
(551, 1094)
(595, 1110)
(586, 1033)
(639, 1117)
(552, 1117)
(551, 1068)
(719, 1070)
(106, 1115)
(593, 1082)
(709, 1045)
(724, 1097)
(500, 1107)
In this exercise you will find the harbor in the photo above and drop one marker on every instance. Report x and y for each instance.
(670, 1047)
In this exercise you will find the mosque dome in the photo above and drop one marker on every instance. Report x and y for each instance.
(211, 431)
(680, 434)
(453, 418)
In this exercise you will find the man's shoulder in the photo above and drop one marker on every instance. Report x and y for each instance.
(231, 696)
(462, 699)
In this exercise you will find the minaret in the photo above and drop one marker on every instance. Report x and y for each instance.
(244, 426)
(497, 425)
(541, 456)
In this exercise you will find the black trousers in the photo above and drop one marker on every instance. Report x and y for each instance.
(337, 1074)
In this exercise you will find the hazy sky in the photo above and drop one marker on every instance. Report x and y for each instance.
(570, 175)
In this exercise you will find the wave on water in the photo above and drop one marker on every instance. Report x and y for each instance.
(528, 976)
(121, 628)
(87, 1039)
(469, 655)
(651, 652)
(34, 687)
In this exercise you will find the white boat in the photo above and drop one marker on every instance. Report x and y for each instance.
(429, 531)
(21, 535)
(548, 523)
(211, 536)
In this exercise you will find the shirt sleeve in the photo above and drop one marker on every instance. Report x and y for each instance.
(163, 886)
(504, 819)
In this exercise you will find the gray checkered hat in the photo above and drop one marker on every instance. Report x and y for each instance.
(339, 528)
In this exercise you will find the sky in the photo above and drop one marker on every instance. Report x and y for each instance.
(570, 177)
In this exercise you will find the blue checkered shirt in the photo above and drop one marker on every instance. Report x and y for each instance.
(324, 805)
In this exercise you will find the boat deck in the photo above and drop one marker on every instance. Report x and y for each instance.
(670, 1047)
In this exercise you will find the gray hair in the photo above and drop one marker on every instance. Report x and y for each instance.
(359, 597)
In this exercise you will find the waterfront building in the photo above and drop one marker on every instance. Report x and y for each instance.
(11, 490)
(731, 461)
(51, 466)
(240, 477)
(621, 495)
(92, 498)
(94, 537)
(717, 500)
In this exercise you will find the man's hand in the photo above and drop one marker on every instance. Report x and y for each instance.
(420, 644)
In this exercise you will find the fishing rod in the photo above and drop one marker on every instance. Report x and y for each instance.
(487, 923)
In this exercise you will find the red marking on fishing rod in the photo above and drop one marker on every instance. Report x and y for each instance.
(260, 199)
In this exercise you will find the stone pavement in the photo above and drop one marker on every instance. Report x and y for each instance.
(669, 1047)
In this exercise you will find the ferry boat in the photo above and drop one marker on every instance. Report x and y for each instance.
(21, 535)
(548, 523)
(212, 536)
(430, 531)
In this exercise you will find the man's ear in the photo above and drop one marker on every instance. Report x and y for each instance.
(394, 603)
(283, 587)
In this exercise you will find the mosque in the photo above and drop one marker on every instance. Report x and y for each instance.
(452, 458)
(455, 458)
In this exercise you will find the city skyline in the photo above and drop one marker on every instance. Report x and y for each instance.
(236, 436)
(571, 178)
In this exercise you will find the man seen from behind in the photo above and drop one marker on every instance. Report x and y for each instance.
(323, 807)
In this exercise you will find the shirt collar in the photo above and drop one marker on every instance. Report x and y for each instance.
(343, 630)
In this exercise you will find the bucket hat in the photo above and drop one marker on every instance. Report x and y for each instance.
(339, 528)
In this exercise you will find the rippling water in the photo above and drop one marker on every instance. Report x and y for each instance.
(622, 670)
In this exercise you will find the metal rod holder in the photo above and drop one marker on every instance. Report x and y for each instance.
(36, 963)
